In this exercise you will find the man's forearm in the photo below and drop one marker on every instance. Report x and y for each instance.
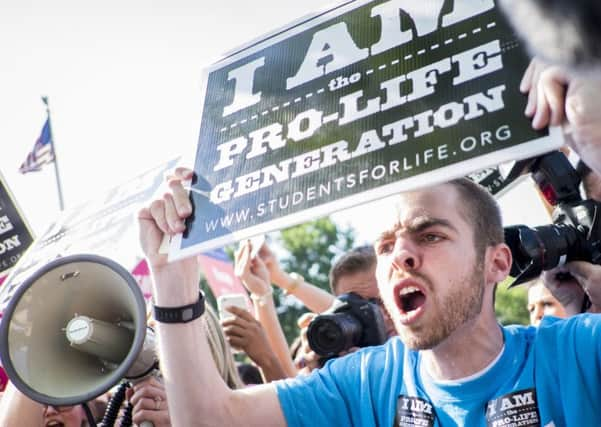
(186, 361)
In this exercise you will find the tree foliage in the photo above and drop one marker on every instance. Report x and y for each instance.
(511, 305)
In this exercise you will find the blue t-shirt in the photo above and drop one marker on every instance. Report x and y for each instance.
(547, 376)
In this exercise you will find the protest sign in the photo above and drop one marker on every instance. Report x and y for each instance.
(104, 226)
(15, 234)
(219, 272)
(351, 105)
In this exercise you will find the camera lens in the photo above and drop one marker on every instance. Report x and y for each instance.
(542, 248)
(330, 334)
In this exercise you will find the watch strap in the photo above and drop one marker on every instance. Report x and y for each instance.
(182, 314)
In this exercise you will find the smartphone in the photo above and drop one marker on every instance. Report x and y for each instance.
(224, 301)
(255, 245)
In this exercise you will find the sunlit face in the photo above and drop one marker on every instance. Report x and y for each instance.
(64, 416)
(364, 284)
(429, 275)
(542, 303)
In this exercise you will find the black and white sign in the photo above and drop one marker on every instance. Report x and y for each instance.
(351, 105)
(513, 410)
(15, 234)
(105, 226)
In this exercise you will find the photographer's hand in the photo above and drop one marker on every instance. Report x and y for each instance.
(306, 359)
(559, 97)
(570, 291)
(566, 289)
(589, 277)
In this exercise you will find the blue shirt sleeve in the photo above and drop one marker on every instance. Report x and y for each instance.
(569, 352)
(355, 390)
(320, 399)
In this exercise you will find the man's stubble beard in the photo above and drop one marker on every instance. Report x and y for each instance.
(462, 304)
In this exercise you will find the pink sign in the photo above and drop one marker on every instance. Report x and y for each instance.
(220, 276)
(141, 273)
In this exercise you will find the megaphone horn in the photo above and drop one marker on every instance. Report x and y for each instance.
(72, 330)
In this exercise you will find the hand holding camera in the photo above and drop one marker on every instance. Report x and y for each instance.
(351, 322)
(571, 283)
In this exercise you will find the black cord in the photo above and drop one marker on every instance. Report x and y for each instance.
(112, 408)
(89, 414)
(126, 420)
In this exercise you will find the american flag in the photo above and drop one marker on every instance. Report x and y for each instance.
(42, 152)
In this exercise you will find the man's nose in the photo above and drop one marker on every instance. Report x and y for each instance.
(406, 255)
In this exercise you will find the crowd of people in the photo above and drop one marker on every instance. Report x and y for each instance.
(432, 271)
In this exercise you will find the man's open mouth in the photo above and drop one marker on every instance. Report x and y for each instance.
(411, 298)
(410, 301)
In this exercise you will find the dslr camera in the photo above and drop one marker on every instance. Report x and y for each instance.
(351, 322)
(574, 235)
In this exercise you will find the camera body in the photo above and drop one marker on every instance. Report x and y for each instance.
(575, 233)
(351, 322)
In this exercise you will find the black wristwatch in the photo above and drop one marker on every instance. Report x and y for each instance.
(182, 314)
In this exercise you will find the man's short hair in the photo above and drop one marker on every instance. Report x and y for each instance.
(482, 211)
(359, 259)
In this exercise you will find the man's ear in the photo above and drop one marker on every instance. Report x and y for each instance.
(498, 263)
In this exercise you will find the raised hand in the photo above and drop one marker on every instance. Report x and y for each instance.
(244, 332)
(165, 216)
(559, 97)
(252, 271)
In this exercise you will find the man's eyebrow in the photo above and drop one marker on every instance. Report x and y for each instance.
(422, 223)
(417, 225)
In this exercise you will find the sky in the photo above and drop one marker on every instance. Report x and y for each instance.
(123, 80)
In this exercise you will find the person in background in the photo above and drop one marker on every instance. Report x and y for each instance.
(354, 271)
(541, 302)
(16, 409)
(250, 374)
(72, 416)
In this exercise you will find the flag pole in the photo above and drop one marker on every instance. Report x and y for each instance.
(58, 179)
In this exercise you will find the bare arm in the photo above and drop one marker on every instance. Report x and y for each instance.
(255, 277)
(314, 298)
(16, 409)
(186, 361)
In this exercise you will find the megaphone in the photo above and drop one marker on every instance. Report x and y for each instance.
(74, 329)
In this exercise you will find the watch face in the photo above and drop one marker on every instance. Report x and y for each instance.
(187, 314)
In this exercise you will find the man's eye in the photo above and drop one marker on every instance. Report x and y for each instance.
(385, 247)
(431, 238)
